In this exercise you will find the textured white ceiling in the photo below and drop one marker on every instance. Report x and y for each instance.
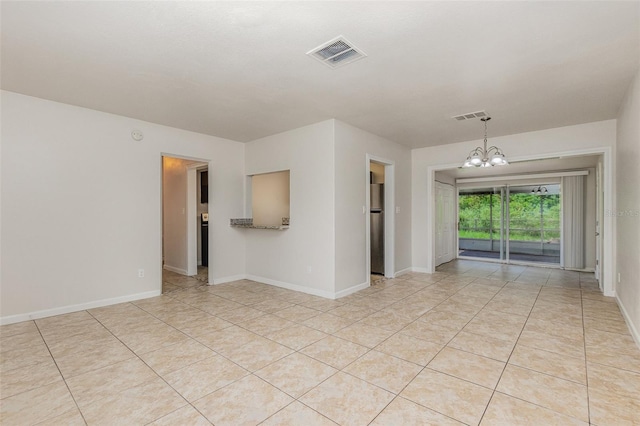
(238, 69)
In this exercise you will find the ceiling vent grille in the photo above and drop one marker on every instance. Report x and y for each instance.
(337, 52)
(470, 115)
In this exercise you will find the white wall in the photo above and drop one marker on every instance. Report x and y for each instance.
(301, 257)
(627, 213)
(523, 146)
(81, 205)
(352, 184)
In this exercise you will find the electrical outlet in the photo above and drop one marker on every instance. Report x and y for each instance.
(618, 277)
(140, 273)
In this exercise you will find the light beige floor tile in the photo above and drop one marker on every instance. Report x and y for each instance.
(109, 381)
(464, 365)
(266, 324)
(451, 320)
(351, 312)
(497, 324)
(604, 341)
(65, 319)
(548, 342)
(257, 353)
(453, 397)
(20, 341)
(203, 377)
(322, 304)
(610, 379)
(386, 320)
(486, 346)
(409, 348)
(363, 334)
(559, 395)
(402, 412)
(84, 361)
(233, 406)
(296, 337)
(347, 400)
(431, 333)
(506, 410)
(558, 315)
(143, 403)
(509, 307)
(328, 323)
(80, 343)
(148, 340)
(554, 328)
(37, 405)
(17, 328)
(271, 305)
(297, 414)
(183, 319)
(606, 409)
(297, 313)
(205, 327)
(53, 334)
(182, 416)
(562, 366)
(296, 374)
(606, 325)
(24, 357)
(70, 418)
(174, 357)
(227, 338)
(410, 310)
(241, 314)
(334, 351)
(609, 357)
(28, 378)
(383, 370)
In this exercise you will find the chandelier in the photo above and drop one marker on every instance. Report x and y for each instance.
(483, 157)
(541, 190)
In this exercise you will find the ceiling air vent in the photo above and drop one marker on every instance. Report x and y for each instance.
(470, 115)
(337, 52)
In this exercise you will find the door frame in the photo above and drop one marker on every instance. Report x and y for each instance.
(191, 222)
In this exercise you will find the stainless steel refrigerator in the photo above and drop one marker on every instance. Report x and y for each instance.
(377, 228)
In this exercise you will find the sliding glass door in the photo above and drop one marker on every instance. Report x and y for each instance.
(510, 223)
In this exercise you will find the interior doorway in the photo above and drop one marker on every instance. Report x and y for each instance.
(380, 218)
(376, 215)
(184, 210)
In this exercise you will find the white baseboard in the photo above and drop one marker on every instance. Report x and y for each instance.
(289, 286)
(632, 328)
(79, 307)
(421, 270)
(228, 279)
(403, 271)
(351, 290)
(176, 270)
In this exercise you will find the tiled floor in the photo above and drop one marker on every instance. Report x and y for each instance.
(474, 343)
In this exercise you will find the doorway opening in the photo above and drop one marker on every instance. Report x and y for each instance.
(376, 215)
(520, 223)
(380, 218)
(185, 231)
